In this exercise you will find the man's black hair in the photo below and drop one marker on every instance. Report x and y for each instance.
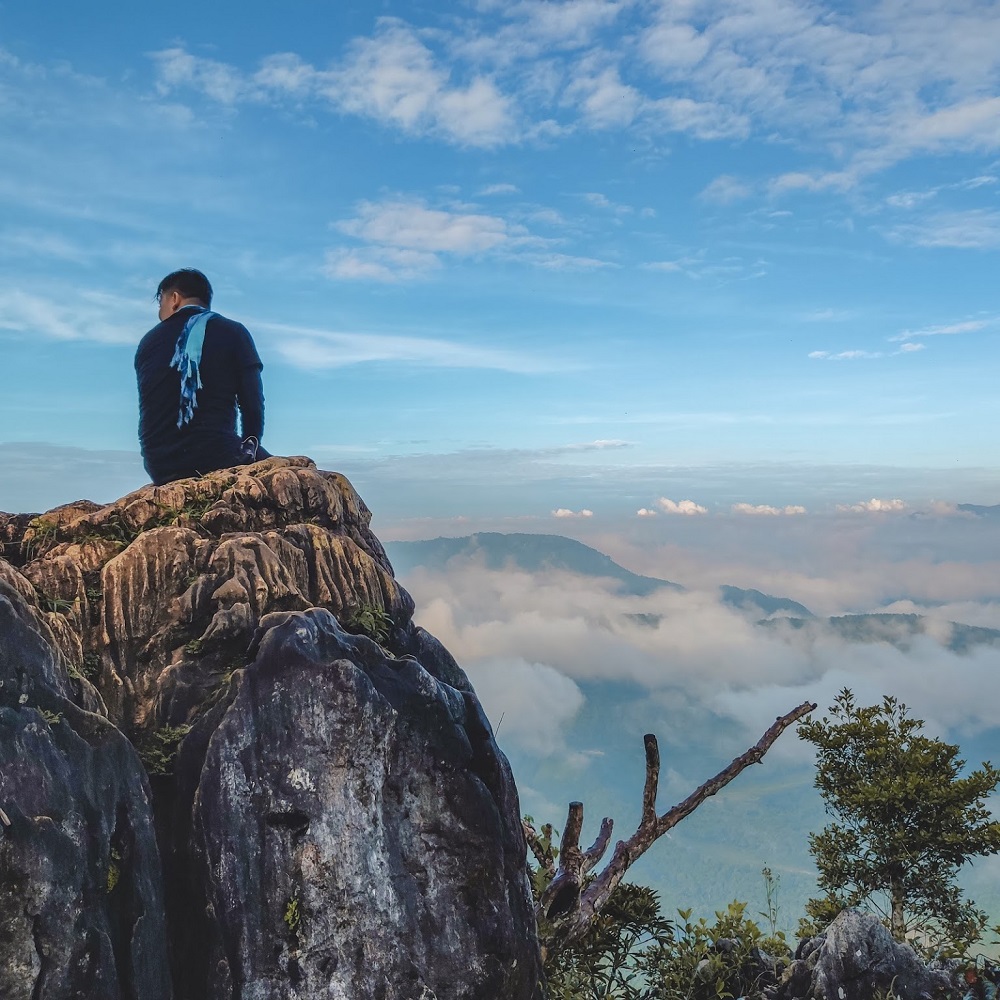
(190, 283)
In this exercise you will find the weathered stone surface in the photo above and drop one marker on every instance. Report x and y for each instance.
(332, 816)
(857, 959)
(356, 832)
(160, 587)
(81, 910)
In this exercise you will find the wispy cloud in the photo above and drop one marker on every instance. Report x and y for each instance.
(725, 190)
(947, 329)
(974, 229)
(310, 349)
(404, 238)
(497, 189)
(411, 225)
(855, 355)
(765, 510)
(699, 266)
(91, 315)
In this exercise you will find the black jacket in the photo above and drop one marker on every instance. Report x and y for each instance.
(230, 376)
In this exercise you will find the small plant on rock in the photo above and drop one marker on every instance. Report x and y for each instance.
(158, 751)
(114, 870)
(293, 916)
(91, 669)
(57, 605)
(372, 621)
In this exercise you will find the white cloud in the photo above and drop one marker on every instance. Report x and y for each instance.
(412, 225)
(910, 199)
(868, 87)
(706, 120)
(601, 444)
(394, 78)
(528, 703)
(580, 628)
(603, 99)
(566, 262)
(599, 200)
(405, 238)
(875, 506)
(286, 73)
(566, 512)
(975, 229)
(217, 80)
(495, 189)
(845, 355)
(569, 23)
(683, 507)
(645, 512)
(311, 348)
(388, 264)
(765, 510)
(827, 316)
(91, 315)
(949, 329)
(725, 189)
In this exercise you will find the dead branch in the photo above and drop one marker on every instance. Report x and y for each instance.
(537, 847)
(567, 902)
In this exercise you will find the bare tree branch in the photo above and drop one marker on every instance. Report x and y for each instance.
(569, 905)
(596, 851)
(542, 856)
(652, 780)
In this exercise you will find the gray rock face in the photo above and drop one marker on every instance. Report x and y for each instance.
(311, 814)
(857, 959)
(355, 831)
(81, 905)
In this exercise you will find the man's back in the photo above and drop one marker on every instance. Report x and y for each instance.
(229, 371)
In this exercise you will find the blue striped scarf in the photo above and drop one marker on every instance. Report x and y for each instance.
(187, 359)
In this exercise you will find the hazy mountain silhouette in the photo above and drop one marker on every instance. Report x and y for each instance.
(979, 511)
(896, 629)
(536, 553)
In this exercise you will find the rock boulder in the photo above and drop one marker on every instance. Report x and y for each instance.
(232, 765)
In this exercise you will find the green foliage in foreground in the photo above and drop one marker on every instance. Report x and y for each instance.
(632, 952)
(905, 821)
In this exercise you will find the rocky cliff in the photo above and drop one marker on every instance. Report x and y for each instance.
(232, 767)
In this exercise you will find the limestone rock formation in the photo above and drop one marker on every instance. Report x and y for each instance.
(857, 959)
(231, 766)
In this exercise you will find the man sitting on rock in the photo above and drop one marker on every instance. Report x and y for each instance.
(194, 370)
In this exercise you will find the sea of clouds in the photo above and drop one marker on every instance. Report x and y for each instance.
(571, 671)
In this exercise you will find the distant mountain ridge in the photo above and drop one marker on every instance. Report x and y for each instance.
(531, 553)
(896, 629)
(535, 553)
(980, 511)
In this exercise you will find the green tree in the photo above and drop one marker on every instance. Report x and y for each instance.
(906, 819)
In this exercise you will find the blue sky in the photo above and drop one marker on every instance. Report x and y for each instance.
(508, 259)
